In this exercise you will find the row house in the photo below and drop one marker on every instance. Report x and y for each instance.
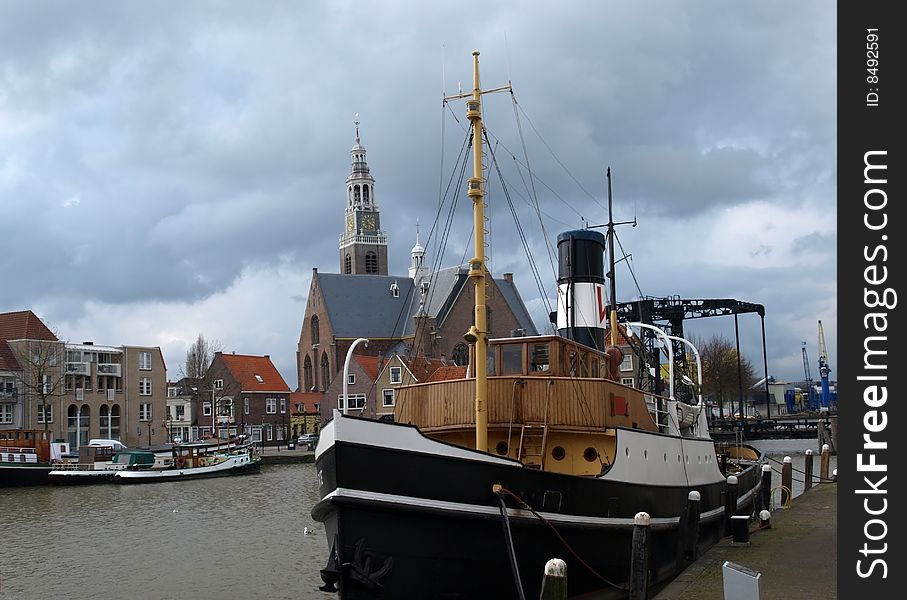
(80, 391)
(245, 394)
(304, 415)
(183, 409)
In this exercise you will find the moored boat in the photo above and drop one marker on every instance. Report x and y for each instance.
(536, 452)
(196, 461)
(98, 464)
(26, 456)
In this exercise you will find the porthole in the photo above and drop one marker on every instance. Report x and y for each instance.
(590, 454)
(558, 453)
(501, 448)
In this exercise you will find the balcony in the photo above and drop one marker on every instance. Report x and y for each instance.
(9, 394)
(78, 368)
(113, 369)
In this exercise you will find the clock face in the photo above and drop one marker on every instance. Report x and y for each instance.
(349, 222)
(368, 222)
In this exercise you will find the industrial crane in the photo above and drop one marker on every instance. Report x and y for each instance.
(807, 403)
(824, 369)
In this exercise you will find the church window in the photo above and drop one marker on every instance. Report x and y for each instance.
(356, 194)
(365, 193)
(348, 265)
(315, 332)
(461, 354)
(308, 383)
(371, 262)
(325, 371)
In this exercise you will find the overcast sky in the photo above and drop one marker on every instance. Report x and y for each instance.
(172, 168)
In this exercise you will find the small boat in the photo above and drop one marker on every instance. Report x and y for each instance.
(195, 461)
(98, 464)
(537, 451)
(27, 456)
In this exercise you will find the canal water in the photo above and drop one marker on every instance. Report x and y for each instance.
(225, 538)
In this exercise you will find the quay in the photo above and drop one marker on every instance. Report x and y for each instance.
(281, 455)
(796, 556)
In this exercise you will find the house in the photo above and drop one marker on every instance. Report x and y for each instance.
(80, 391)
(399, 370)
(183, 409)
(245, 394)
(304, 413)
(361, 394)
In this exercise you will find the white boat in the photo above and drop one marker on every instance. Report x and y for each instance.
(196, 461)
(97, 465)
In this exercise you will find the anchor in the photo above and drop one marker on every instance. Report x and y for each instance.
(360, 567)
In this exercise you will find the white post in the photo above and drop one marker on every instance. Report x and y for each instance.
(673, 419)
(346, 370)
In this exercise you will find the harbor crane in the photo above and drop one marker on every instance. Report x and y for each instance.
(807, 403)
(824, 369)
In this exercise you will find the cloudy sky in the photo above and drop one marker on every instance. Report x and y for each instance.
(172, 168)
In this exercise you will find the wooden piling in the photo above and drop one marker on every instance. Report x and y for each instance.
(639, 558)
(689, 528)
(808, 470)
(554, 583)
(766, 487)
(730, 502)
(787, 482)
(824, 463)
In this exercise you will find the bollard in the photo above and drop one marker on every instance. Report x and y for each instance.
(787, 481)
(730, 502)
(689, 528)
(823, 465)
(554, 584)
(767, 486)
(808, 476)
(834, 476)
(765, 519)
(740, 525)
(639, 558)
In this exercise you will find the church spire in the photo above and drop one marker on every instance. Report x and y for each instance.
(417, 258)
(363, 246)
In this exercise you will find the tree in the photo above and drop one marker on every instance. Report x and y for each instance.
(40, 376)
(199, 357)
(720, 373)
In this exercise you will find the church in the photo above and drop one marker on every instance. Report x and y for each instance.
(420, 314)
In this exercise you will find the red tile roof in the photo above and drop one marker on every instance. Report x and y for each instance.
(307, 399)
(447, 373)
(369, 364)
(244, 368)
(423, 368)
(20, 325)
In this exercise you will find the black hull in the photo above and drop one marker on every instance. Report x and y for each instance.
(12, 475)
(433, 524)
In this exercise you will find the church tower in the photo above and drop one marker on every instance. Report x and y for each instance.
(363, 246)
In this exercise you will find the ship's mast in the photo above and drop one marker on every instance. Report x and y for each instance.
(611, 274)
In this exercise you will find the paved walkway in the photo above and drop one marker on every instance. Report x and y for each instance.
(797, 556)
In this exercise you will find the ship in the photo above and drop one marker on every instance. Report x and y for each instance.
(535, 452)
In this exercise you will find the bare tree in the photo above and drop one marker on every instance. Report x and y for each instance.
(40, 376)
(720, 373)
(199, 357)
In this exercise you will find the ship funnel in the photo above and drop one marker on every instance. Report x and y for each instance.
(582, 311)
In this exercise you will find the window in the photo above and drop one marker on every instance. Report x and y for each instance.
(371, 262)
(206, 409)
(512, 359)
(388, 396)
(180, 412)
(283, 406)
(145, 411)
(351, 379)
(47, 384)
(347, 265)
(45, 414)
(316, 334)
(539, 357)
(460, 355)
(628, 381)
(245, 406)
(218, 384)
(258, 378)
(144, 361)
(6, 414)
(145, 386)
(627, 363)
(357, 401)
(171, 392)
(271, 406)
(308, 383)
(396, 374)
(325, 371)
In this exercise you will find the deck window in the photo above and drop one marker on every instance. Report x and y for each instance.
(512, 359)
(539, 358)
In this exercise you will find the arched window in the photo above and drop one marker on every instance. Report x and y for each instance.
(115, 422)
(308, 384)
(356, 194)
(371, 262)
(347, 264)
(325, 371)
(77, 425)
(365, 193)
(461, 354)
(316, 336)
(349, 196)
(104, 420)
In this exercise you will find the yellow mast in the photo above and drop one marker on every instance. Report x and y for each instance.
(476, 193)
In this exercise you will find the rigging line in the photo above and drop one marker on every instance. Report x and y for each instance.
(629, 267)
(511, 551)
(594, 199)
(520, 232)
(523, 503)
